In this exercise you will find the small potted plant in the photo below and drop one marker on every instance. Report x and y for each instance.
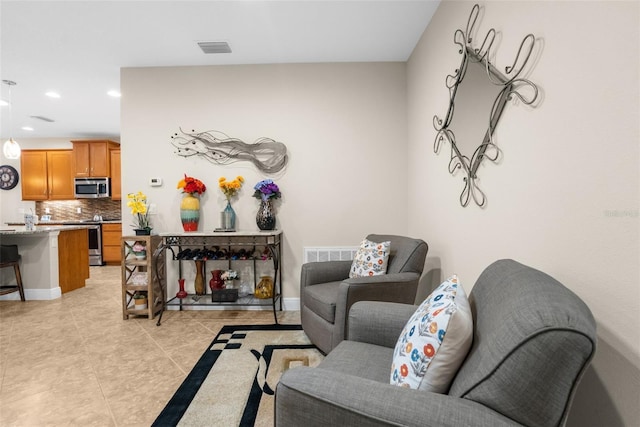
(229, 276)
(140, 301)
(139, 250)
(140, 211)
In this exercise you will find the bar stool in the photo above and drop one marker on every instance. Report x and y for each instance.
(9, 257)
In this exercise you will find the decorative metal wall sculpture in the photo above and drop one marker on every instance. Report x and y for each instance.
(507, 85)
(267, 155)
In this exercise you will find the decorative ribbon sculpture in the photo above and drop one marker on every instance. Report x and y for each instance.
(267, 155)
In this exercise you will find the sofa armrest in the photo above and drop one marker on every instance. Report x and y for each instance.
(378, 323)
(397, 287)
(313, 273)
(319, 397)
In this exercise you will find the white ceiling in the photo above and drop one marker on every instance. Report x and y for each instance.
(77, 48)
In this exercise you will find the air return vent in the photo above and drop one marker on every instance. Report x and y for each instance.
(214, 47)
(329, 254)
(44, 119)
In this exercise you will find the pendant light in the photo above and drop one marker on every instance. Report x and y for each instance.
(11, 149)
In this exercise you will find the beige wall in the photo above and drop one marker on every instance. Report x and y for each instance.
(344, 126)
(564, 196)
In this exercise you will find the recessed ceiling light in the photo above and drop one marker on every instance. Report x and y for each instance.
(29, 128)
(3, 103)
(114, 93)
(52, 94)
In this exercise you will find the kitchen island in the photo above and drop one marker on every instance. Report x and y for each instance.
(55, 260)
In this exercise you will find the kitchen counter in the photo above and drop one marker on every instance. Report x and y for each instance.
(68, 222)
(54, 259)
(13, 229)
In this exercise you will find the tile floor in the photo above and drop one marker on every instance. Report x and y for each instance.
(74, 361)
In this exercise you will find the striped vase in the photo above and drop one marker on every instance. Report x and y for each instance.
(190, 212)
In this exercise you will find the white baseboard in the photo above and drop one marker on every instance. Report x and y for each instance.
(288, 304)
(34, 295)
(291, 304)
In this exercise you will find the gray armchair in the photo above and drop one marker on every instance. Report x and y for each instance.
(533, 339)
(327, 292)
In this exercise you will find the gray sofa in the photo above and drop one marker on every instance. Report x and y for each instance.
(533, 339)
(327, 292)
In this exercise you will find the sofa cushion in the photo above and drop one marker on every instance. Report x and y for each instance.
(359, 359)
(321, 299)
(371, 259)
(435, 340)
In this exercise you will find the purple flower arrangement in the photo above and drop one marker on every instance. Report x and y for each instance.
(266, 189)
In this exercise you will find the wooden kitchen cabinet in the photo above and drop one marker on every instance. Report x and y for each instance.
(116, 182)
(47, 174)
(92, 157)
(111, 241)
(73, 266)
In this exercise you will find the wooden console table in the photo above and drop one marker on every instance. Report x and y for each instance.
(238, 250)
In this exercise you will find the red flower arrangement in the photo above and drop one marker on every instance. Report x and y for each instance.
(191, 185)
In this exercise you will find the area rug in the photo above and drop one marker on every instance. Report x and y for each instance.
(233, 383)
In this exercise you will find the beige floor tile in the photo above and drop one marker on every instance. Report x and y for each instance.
(75, 361)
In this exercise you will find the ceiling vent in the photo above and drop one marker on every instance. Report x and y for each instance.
(214, 47)
(44, 119)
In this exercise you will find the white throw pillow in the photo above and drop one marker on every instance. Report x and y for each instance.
(435, 340)
(371, 259)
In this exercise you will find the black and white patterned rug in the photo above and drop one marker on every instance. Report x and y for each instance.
(234, 381)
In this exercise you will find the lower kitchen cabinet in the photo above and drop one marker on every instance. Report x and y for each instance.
(73, 266)
(111, 241)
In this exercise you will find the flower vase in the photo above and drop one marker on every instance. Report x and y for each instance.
(190, 212)
(228, 218)
(264, 288)
(216, 281)
(143, 231)
(181, 293)
(198, 284)
(266, 216)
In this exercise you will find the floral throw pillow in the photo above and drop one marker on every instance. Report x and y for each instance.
(371, 259)
(435, 340)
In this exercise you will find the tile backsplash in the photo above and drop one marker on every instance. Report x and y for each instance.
(67, 210)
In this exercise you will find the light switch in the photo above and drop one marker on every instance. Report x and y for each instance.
(155, 182)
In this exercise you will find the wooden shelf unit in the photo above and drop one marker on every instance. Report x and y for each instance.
(134, 269)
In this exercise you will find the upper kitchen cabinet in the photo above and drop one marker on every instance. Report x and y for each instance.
(47, 174)
(116, 182)
(93, 157)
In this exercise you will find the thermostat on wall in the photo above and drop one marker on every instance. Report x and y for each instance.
(155, 182)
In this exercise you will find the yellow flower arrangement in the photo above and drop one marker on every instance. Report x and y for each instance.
(140, 209)
(230, 188)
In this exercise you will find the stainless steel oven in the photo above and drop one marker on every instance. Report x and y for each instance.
(95, 244)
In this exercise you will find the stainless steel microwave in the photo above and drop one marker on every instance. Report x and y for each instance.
(92, 188)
